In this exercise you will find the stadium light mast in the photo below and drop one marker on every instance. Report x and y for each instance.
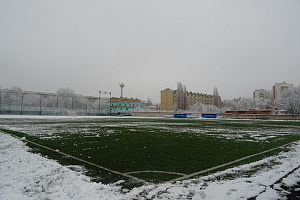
(122, 85)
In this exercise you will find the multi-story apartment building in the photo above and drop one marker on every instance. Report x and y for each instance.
(279, 87)
(124, 105)
(169, 100)
(261, 94)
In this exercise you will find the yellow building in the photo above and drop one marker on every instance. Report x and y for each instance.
(168, 99)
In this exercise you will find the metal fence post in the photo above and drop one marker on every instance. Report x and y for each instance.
(99, 104)
(40, 104)
(22, 97)
(0, 101)
(86, 106)
(57, 101)
(72, 103)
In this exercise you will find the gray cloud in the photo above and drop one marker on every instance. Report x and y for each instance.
(236, 46)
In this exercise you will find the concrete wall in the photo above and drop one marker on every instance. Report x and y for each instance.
(226, 116)
(157, 114)
(250, 112)
(151, 114)
(265, 117)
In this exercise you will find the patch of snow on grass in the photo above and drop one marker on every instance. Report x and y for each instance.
(28, 176)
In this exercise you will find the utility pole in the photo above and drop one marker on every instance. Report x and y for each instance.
(22, 103)
(99, 107)
(0, 100)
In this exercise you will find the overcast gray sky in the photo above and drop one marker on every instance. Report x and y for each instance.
(236, 46)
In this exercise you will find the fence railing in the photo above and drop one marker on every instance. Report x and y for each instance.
(34, 103)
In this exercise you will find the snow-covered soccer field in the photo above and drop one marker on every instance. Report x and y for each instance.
(159, 158)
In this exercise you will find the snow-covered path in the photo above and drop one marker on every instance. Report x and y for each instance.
(28, 176)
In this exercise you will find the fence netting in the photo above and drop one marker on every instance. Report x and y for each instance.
(34, 103)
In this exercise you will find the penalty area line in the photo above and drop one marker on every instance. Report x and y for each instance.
(84, 161)
(155, 171)
(226, 164)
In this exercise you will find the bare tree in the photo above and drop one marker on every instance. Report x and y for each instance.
(239, 104)
(184, 98)
(14, 96)
(181, 97)
(290, 100)
(149, 102)
(65, 92)
(67, 97)
(16, 89)
(202, 108)
(216, 97)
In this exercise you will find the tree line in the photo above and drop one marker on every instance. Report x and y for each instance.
(289, 102)
(66, 98)
(15, 98)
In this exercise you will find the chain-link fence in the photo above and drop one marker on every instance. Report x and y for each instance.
(34, 103)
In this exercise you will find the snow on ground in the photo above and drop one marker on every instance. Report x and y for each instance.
(28, 176)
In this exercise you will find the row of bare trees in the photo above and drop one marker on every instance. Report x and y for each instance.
(15, 99)
(290, 100)
(288, 103)
(181, 98)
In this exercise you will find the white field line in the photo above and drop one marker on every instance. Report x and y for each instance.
(153, 171)
(277, 182)
(84, 161)
(223, 165)
(143, 181)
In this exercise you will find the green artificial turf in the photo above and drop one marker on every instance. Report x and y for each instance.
(170, 145)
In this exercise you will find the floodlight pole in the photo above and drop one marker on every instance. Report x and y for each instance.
(99, 107)
(57, 101)
(86, 108)
(22, 103)
(109, 101)
(0, 100)
(40, 103)
(72, 102)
